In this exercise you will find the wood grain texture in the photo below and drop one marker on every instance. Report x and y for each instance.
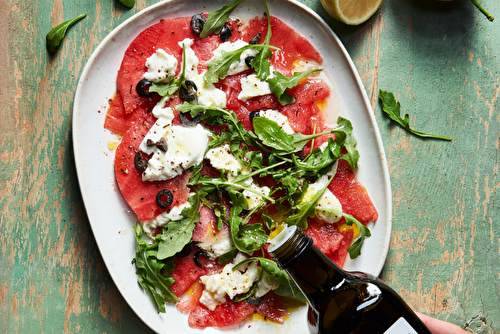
(441, 61)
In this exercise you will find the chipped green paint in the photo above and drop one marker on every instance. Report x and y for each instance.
(440, 59)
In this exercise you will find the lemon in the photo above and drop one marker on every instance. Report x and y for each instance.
(352, 12)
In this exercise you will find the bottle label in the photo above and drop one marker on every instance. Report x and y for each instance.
(401, 326)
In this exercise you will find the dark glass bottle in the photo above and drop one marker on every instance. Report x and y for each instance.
(341, 302)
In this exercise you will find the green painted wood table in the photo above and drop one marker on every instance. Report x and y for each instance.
(442, 61)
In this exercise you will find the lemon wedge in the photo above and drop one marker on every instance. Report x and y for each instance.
(351, 12)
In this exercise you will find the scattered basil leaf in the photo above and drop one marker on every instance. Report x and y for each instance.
(55, 36)
(217, 19)
(393, 109)
(128, 3)
(281, 82)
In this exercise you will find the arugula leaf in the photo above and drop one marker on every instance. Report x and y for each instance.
(128, 3)
(178, 233)
(393, 109)
(218, 18)
(287, 287)
(281, 82)
(272, 135)
(307, 209)
(56, 34)
(261, 63)
(151, 272)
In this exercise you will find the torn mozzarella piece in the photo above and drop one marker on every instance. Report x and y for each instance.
(327, 200)
(228, 282)
(185, 148)
(160, 66)
(252, 86)
(252, 199)
(149, 226)
(222, 158)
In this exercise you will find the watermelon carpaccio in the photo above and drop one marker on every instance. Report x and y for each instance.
(131, 117)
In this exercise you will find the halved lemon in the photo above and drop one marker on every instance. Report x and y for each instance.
(352, 12)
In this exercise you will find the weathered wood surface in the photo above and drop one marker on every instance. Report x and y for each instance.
(442, 62)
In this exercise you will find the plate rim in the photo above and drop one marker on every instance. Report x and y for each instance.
(351, 67)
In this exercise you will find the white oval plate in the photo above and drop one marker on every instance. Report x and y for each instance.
(112, 220)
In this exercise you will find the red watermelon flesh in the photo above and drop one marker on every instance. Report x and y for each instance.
(226, 314)
(352, 195)
(141, 195)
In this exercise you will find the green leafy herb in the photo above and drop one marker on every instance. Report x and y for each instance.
(178, 233)
(171, 85)
(153, 273)
(393, 109)
(307, 209)
(217, 68)
(55, 36)
(261, 63)
(128, 3)
(281, 82)
(218, 18)
(287, 287)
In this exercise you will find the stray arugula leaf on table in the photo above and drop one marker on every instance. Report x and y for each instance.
(56, 35)
(393, 109)
(128, 3)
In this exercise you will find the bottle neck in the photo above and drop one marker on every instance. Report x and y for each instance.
(313, 272)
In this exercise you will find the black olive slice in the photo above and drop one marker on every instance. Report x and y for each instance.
(197, 23)
(160, 196)
(161, 144)
(254, 114)
(188, 90)
(140, 163)
(255, 39)
(255, 300)
(142, 88)
(197, 255)
(189, 122)
(248, 61)
(226, 33)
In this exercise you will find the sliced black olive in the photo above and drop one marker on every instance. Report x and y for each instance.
(149, 142)
(161, 144)
(254, 114)
(248, 61)
(164, 193)
(255, 39)
(226, 33)
(197, 23)
(140, 163)
(186, 250)
(189, 121)
(142, 88)
(197, 255)
(255, 300)
(187, 92)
